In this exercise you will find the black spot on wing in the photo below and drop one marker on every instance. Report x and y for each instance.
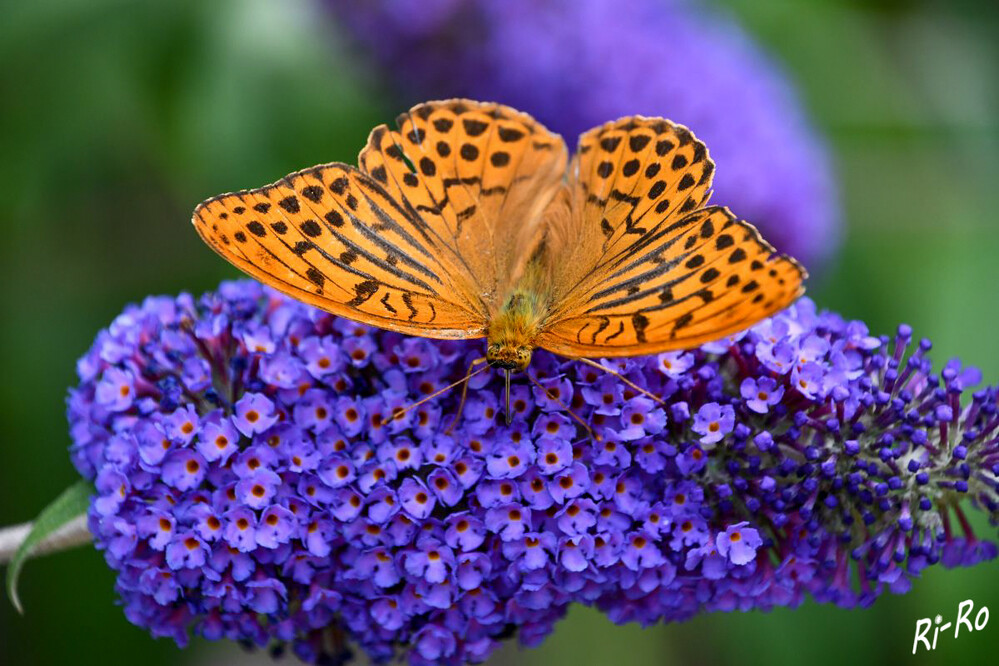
(363, 291)
(473, 127)
(500, 158)
(315, 276)
(638, 141)
(610, 143)
(339, 186)
(310, 228)
(509, 135)
(469, 152)
(682, 321)
(640, 322)
(334, 218)
(313, 193)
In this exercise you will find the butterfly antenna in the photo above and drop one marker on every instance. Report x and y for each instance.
(400, 412)
(464, 392)
(595, 437)
(623, 379)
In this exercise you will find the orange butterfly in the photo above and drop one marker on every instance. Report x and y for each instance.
(466, 223)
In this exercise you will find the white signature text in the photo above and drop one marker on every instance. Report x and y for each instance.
(964, 611)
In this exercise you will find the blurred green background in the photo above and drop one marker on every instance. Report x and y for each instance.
(117, 117)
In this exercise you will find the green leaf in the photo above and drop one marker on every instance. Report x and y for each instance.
(71, 503)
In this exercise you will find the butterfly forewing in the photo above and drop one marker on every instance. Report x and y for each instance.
(654, 270)
(332, 237)
(479, 175)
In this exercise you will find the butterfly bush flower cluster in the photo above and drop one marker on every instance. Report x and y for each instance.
(251, 483)
(573, 64)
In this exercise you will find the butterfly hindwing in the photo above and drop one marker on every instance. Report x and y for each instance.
(330, 236)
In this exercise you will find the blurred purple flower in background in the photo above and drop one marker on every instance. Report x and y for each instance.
(275, 504)
(576, 64)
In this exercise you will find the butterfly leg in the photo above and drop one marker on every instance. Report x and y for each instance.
(468, 375)
(623, 379)
(464, 390)
(595, 437)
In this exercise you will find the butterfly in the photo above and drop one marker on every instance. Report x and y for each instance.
(470, 221)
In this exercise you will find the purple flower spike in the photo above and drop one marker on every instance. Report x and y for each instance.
(318, 518)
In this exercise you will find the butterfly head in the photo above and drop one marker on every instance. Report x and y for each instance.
(507, 356)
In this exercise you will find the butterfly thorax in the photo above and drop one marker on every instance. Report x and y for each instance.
(514, 329)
